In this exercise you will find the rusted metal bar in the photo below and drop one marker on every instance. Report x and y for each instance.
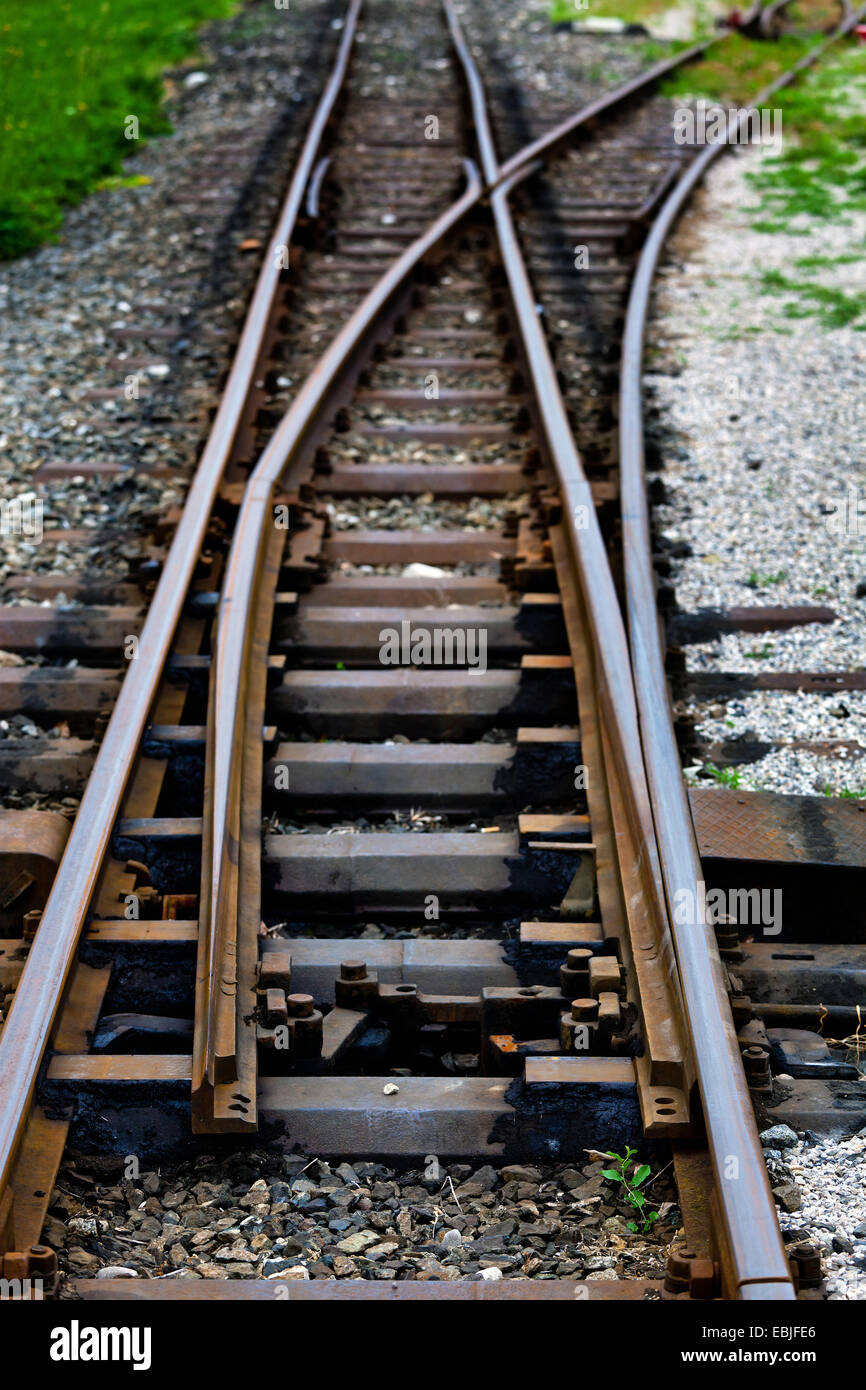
(552, 139)
(590, 576)
(37, 999)
(215, 1019)
(754, 1246)
(754, 1255)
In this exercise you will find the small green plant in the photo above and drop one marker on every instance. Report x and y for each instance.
(756, 580)
(848, 792)
(630, 1183)
(761, 653)
(727, 776)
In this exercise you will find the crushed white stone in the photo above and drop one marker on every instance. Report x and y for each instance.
(831, 1177)
(763, 439)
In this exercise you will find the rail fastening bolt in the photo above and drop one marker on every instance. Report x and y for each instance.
(299, 1005)
(353, 970)
(584, 1010)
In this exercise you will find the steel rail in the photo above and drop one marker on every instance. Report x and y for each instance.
(754, 1240)
(216, 1039)
(232, 632)
(31, 1018)
(603, 105)
(595, 593)
(746, 1206)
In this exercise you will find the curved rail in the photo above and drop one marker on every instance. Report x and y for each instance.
(34, 1008)
(227, 704)
(772, 22)
(547, 143)
(754, 1242)
(217, 1040)
(746, 1204)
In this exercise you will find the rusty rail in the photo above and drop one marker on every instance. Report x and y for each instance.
(215, 1058)
(34, 1009)
(757, 1261)
(215, 1052)
(754, 1240)
(216, 1037)
(30, 1023)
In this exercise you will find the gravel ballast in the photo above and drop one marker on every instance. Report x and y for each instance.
(760, 421)
(256, 1215)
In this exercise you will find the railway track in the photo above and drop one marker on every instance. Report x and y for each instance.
(407, 623)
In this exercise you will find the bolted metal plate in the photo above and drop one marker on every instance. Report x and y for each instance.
(769, 827)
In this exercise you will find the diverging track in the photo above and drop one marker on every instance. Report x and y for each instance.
(482, 739)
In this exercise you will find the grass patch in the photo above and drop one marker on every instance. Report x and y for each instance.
(629, 11)
(819, 175)
(735, 70)
(760, 653)
(833, 308)
(820, 172)
(756, 580)
(71, 75)
(848, 793)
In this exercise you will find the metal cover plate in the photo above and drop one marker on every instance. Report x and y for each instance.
(770, 827)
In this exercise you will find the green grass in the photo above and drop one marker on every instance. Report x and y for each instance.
(822, 169)
(818, 177)
(833, 308)
(760, 653)
(736, 70)
(70, 75)
(756, 580)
